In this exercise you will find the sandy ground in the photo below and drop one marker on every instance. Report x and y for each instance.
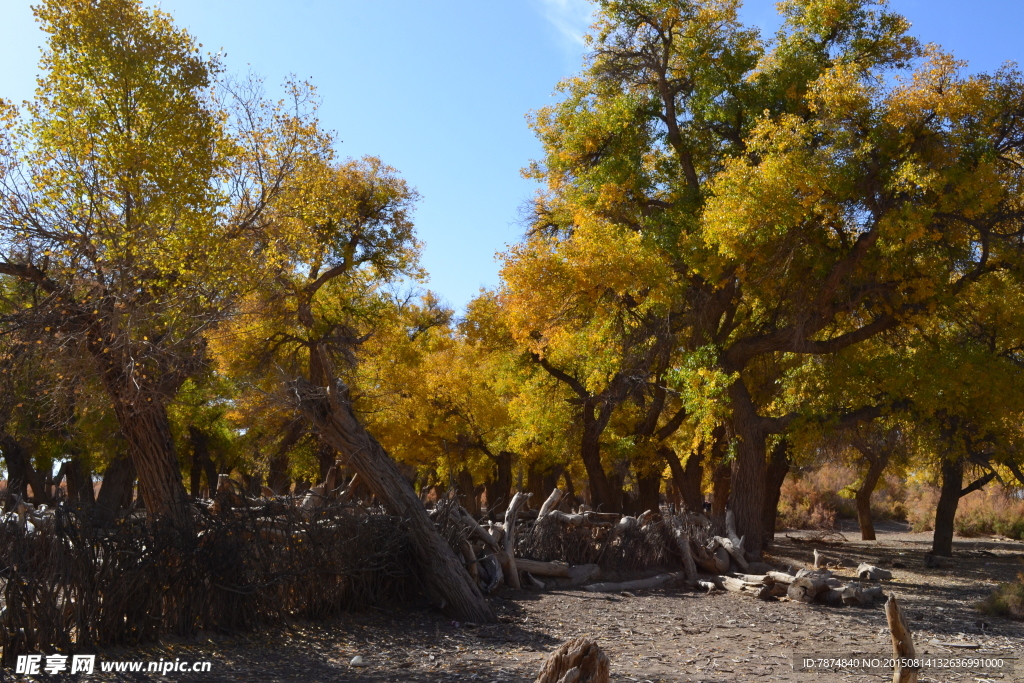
(657, 635)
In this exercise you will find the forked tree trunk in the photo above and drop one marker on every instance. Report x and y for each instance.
(687, 480)
(877, 462)
(775, 475)
(145, 426)
(945, 511)
(446, 579)
(20, 473)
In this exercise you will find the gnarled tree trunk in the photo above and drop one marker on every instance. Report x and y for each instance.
(145, 426)
(447, 581)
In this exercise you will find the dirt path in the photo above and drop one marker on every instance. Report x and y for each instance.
(650, 636)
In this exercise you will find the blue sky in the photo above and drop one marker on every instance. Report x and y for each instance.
(440, 90)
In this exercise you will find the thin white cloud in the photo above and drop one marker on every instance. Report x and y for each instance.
(571, 18)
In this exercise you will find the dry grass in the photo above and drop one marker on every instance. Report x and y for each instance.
(1005, 601)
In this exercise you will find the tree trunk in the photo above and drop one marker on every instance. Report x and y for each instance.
(78, 479)
(277, 477)
(201, 462)
(147, 429)
(721, 485)
(499, 488)
(649, 492)
(446, 580)
(20, 473)
(747, 497)
(876, 465)
(602, 496)
(690, 479)
(467, 492)
(945, 511)
(115, 491)
(775, 475)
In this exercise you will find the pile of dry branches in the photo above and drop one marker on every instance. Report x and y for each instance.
(68, 584)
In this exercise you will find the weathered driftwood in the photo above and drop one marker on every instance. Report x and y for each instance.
(477, 531)
(689, 566)
(814, 574)
(735, 549)
(806, 589)
(550, 504)
(902, 641)
(314, 498)
(509, 560)
(577, 661)
(556, 569)
(639, 584)
(759, 579)
(782, 577)
(867, 571)
(760, 590)
(627, 523)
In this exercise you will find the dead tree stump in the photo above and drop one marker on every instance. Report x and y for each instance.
(579, 660)
(902, 642)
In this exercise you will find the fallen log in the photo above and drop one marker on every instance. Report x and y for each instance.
(867, 571)
(781, 577)
(806, 589)
(578, 661)
(902, 642)
(638, 584)
(537, 568)
(581, 574)
(762, 591)
(759, 579)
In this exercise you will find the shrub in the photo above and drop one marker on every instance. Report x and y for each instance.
(1005, 601)
(813, 499)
